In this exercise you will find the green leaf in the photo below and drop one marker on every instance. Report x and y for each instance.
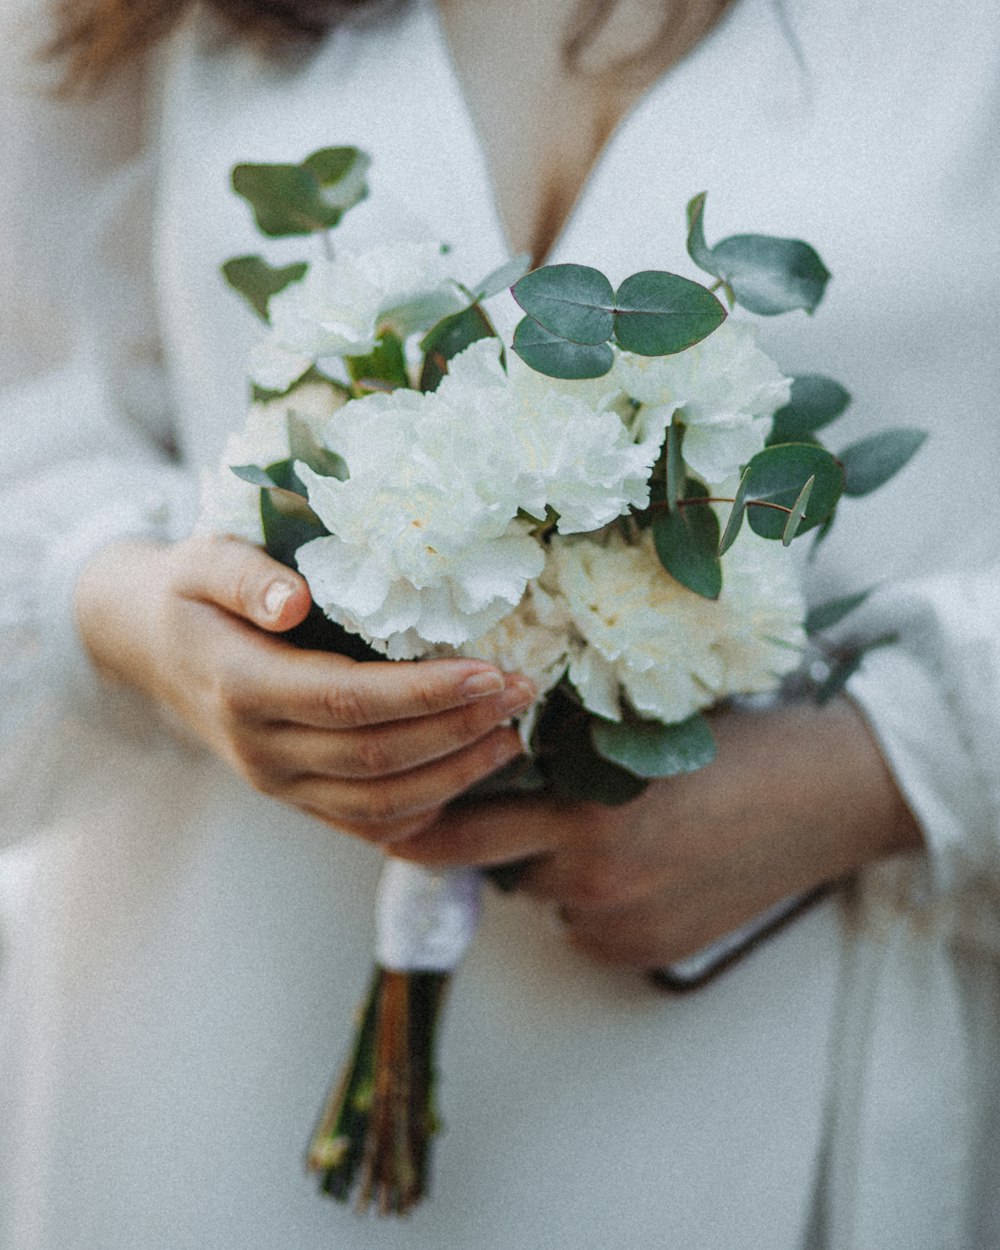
(556, 357)
(698, 249)
(675, 468)
(576, 771)
(574, 302)
(340, 173)
(736, 515)
(650, 749)
(815, 401)
(768, 275)
(261, 395)
(257, 281)
(871, 462)
(565, 755)
(305, 446)
(300, 199)
(687, 543)
(287, 528)
(253, 474)
(777, 475)
(797, 513)
(384, 368)
(826, 615)
(451, 335)
(503, 277)
(658, 314)
(847, 664)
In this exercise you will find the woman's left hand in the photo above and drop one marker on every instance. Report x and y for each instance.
(797, 796)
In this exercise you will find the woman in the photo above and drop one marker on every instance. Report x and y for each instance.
(188, 946)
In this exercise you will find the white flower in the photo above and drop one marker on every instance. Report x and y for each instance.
(576, 454)
(585, 458)
(228, 504)
(426, 547)
(725, 390)
(667, 650)
(535, 640)
(341, 306)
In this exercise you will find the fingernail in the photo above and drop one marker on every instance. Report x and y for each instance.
(481, 684)
(276, 596)
(518, 697)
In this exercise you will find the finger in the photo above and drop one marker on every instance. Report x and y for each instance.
(394, 747)
(488, 834)
(374, 809)
(332, 692)
(241, 579)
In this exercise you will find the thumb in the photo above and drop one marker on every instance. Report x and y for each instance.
(244, 580)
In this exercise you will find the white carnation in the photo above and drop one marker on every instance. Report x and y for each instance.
(669, 651)
(575, 453)
(535, 639)
(228, 504)
(341, 306)
(584, 456)
(725, 389)
(425, 544)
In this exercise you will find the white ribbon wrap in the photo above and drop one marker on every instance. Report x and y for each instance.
(425, 918)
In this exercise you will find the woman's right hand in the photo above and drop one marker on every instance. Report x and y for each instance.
(376, 749)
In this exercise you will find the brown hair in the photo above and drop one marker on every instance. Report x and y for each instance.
(93, 37)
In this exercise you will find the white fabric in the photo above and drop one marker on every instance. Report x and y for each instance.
(425, 920)
(181, 956)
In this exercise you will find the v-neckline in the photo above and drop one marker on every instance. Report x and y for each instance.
(644, 102)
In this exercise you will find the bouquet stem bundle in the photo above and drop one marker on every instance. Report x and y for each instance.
(373, 1138)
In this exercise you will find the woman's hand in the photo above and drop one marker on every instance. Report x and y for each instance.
(797, 796)
(375, 749)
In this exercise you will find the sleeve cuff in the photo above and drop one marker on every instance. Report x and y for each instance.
(924, 740)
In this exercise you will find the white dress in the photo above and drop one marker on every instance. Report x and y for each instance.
(181, 956)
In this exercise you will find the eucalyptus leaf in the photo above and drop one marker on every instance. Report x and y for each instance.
(768, 275)
(815, 401)
(451, 335)
(557, 357)
(687, 543)
(287, 529)
(777, 475)
(566, 758)
(574, 302)
(575, 770)
(659, 314)
(340, 173)
(797, 513)
(257, 281)
(675, 469)
(384, 368)
(737, 512)
(871, 462)
(826, 615)
(503, 277)
(305, 446)
(253, 474)
(261, 394)
(650, 749)
(846, 664)
(698, 249)
(301, 199)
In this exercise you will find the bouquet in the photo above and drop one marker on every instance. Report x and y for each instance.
(600, 504)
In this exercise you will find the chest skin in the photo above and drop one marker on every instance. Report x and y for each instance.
(544, 106)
